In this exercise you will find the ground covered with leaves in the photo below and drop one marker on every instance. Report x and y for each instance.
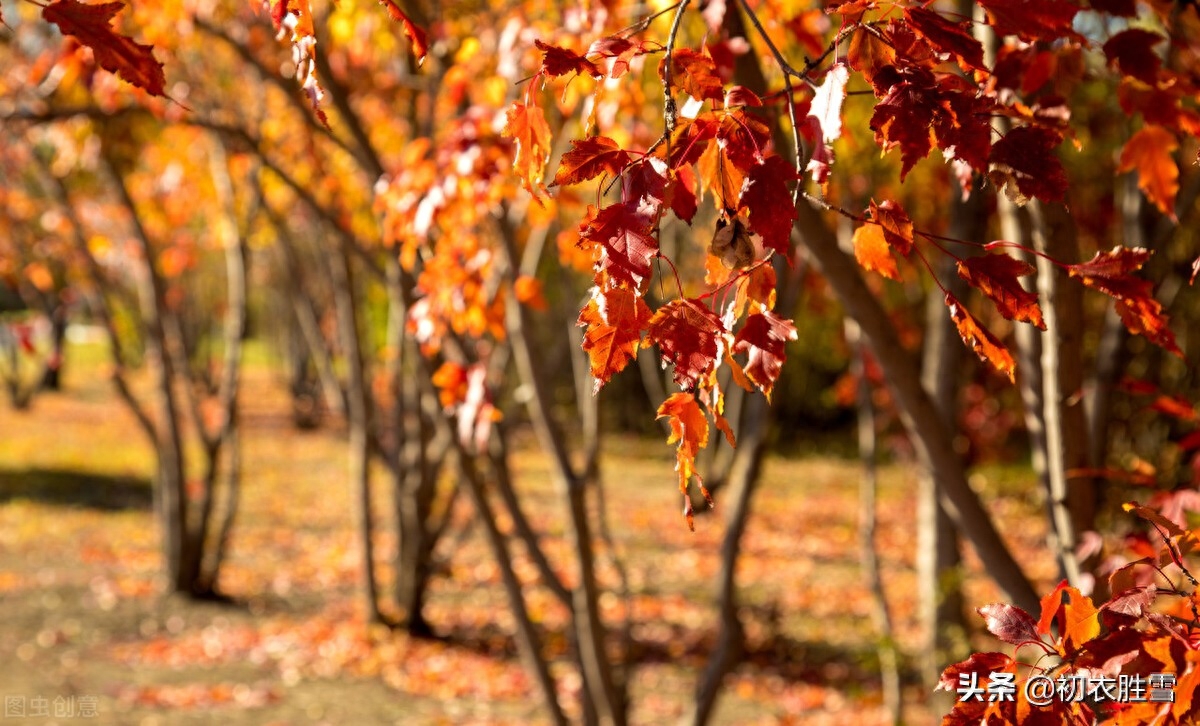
(84, 618)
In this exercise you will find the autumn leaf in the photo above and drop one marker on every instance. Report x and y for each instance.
(450, 379)
(872, 251)
(116, 53)
(1151, 151)
(996, 276)
(826, 105)
(1010, 623)
(687, 333)
(979, 339)
(766, 196)
(1148, 514)
(416, 36)
(561, 61)
(526, 125)
(614, 319)
(1111, 273)
(1031, 21)
(946, 36)
(904, 115)
(695, 74)
(689, 428)
(869, 54)
(1025, 165)
(589, 158)
(1132, 51)
(731, 244)
(982, 664)
(897, 227)
(618, 52)
(763, 337)
(528, 291)
(626, 246)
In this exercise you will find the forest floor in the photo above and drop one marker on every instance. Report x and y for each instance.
(85, 626)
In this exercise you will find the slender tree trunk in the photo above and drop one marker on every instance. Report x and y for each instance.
(868, 490)
(52, 370)
(1072, 497)
(179, 549)
(742, 481)
(226, 438)
(527, 637)
(606, 691)
(938, 557)
(357, 419)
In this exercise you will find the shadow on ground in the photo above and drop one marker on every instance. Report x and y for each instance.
(73, 488)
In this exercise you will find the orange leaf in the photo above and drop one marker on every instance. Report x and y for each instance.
(687, 334)
(897, 227)
(980, 339)
(416, 36)
(526, 124)
(89, 24)
(589, 158)
(1111, 273)
(529, 292)
(764, 336)
(872, 251)
(1152, 152)
(614, 320)
(996, 277)
(451, 382)
(689, 428)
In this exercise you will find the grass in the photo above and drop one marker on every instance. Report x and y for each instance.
(80, 583)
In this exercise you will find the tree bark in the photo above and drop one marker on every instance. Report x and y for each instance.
(1072, 497)
(180, 551)
(939, 559)
(357, 419)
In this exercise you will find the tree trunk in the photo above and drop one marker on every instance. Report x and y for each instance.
(868, 494)
(1072, 497)
(938, 557)
(180, 550)
(357, 420)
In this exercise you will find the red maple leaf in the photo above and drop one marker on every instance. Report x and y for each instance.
(619, 51)
(1024, 164)
(904, 115)
(589, 158)
(416, 36)
(1030, 21)
(689, 428)
(687, 333)
(116, 53)
(1132, 51)
(1010, 623)
(695, 74)
(1111, 273)
(869, 54)
(614, 319)
(897, 227)
(558, 61)
(626, 244)
(948, 37)
(996, 276)
(981, 340)
(763, 337)
(766, 196)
